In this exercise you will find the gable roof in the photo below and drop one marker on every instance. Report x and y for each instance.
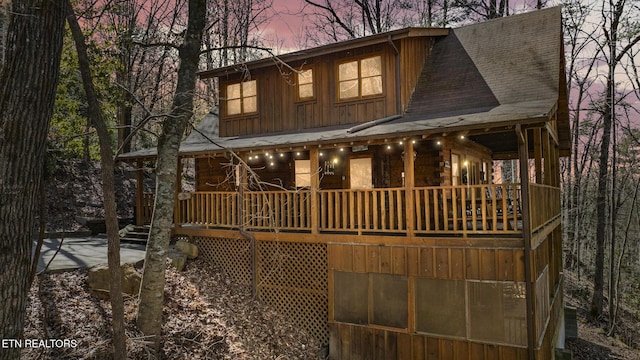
(483, 76)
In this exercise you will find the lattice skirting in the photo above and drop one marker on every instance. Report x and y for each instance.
(291, 277)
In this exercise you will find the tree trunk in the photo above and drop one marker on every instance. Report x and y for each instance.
(28, 80)
(108, 190)
(152, 289)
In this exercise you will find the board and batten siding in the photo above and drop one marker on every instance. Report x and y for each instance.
(279, 108)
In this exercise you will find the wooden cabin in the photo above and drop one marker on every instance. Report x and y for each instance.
(374, 209)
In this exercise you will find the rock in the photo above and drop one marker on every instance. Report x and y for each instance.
(127, 229)
(178, 259)
(189, 249)
(98, 280)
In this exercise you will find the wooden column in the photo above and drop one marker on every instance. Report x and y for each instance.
(537, 152)
(523, 151)
(139, 192)
(314, 160)
(409, 184)
(547, 144)
(176, 208)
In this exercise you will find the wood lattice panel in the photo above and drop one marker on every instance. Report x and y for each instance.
(232, 255)
(292, 277)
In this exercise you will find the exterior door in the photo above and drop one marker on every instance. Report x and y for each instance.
(360, 173)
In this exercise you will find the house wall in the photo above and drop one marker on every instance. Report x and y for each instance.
(279, 109)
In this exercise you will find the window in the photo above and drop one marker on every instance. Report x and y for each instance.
(440, 307)
(375, 299)
(497, 312)
(242, 98)
(303, 173)
(360, 78)
(305, 84)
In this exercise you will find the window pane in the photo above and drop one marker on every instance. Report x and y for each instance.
(371, 66)
(348, 71)
(348, 89)
(305, 77)
(372, 85)
(249, 88)
(440, 307)
(233, 91)
(350, 294)
(303, 173)
(233, 107)
(389, 300)
(305, 91)
(250, 104)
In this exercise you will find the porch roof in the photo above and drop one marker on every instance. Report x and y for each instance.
(499, 118)
(480, 79)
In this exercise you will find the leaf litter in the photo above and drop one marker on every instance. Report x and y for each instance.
(206, 316)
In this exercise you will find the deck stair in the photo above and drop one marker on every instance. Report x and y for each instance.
(136, 235)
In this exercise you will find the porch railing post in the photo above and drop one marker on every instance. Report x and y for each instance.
(139, 193)
(315, 185)
(409, 184)
(176, 206)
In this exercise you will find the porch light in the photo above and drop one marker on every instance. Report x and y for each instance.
(413, 141)
(281, 154)
(462, 137)
(335, 160)
(401, 143)
(298, 153)
(341, 149)
(388, 147)
(321, 154)
(438, 142)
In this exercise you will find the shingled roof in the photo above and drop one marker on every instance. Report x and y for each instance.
(482, 76)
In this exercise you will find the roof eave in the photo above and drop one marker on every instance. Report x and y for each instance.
(325, 49)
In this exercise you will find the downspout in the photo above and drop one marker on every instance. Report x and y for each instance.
(523, 148)
(397, 56)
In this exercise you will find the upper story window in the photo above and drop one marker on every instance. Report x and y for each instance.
(360, 78)
(305, 84)
(242, 98)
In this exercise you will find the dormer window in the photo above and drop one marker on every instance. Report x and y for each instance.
(242, 98)
(360, 78)
(305, 84)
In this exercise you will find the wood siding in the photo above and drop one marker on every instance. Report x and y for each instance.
(279, 108)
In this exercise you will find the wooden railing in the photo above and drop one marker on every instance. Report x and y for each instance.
(216, 209)
(146, 211)
(451, 210)
(491, 208)
(544, 203)
(375, 210)
(282, 210)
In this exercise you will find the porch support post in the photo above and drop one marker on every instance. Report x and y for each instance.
(139, 193)
(537, 151)
(314, 161)
(523, 150)
(547, 143)
(176, 206)
(409, 184)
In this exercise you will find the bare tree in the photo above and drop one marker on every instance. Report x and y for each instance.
(28, 79)
(108, 190)
(152, 289)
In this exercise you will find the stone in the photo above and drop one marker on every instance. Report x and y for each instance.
(189, 249)
(178, 259)
(98, 280)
